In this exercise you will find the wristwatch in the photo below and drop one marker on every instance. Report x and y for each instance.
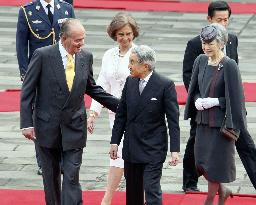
(92, 114)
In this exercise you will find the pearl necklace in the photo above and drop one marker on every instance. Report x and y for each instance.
(117, 73)
(122, 55)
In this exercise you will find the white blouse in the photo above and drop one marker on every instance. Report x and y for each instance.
(112, 76)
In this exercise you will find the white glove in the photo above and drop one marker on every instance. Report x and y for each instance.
(199, 104)
(210, 102)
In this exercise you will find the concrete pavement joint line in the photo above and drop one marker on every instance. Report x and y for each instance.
(15, 148)
(245, 25)
(22, 167)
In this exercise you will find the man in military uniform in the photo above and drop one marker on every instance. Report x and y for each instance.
(38, 26)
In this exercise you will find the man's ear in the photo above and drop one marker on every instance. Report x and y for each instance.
(64, 37)
(146, 67)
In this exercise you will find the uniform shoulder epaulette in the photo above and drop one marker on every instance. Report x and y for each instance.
(29, 4)
(63, 2)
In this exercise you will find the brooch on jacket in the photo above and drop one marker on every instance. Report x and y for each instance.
(220, 66)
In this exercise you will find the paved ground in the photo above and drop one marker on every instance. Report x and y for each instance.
(168, 34)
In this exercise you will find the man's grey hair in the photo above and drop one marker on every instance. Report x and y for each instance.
(222, 34)
(65, 28)
(146, 55)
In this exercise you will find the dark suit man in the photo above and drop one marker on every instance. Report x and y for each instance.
(218, 12)
(35, 30)
(58, 77)
(141, 118)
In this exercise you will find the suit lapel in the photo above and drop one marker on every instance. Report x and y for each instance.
(147, 93)
(228, 51)
(59, 69)
(228, 46)
(41, 13)
(57, 13)
(202, 67)
(79, 69)
(134, 95)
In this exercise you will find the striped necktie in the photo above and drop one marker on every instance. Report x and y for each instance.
(141, 85)
(70, 71)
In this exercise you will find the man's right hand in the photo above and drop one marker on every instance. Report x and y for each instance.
(113, 151)
(29, 133)
(91, 120)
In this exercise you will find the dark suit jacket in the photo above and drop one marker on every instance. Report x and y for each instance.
(59, 115)
(26, 42)
(194, 49)
(141, 118)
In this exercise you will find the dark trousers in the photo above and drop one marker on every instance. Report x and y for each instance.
(247, 152)
(140, 178)
(190, 176)
(244, 146)
(70, 192)
(38, 160)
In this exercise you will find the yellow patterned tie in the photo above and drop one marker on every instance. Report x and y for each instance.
(70, 71)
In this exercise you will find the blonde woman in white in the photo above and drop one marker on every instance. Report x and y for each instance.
(114, 70)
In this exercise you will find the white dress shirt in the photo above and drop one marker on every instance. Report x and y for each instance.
(44, 4)
(64, 55)
(146, 79)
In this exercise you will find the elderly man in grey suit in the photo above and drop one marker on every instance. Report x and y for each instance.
(58, 77)
(146, 100)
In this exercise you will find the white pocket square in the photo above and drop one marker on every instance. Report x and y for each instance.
(153, 99)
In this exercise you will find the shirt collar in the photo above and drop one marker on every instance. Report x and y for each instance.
(146, 79)
(44, 3)
(63, 51)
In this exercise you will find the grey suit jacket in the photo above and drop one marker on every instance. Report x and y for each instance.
(142, 120)
(59, 116)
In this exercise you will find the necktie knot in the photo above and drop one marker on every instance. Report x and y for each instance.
(70, 58)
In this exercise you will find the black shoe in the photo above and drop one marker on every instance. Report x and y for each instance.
(39, 171)
(190, 189)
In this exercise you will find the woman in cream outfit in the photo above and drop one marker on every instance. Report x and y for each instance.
(114, 71)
